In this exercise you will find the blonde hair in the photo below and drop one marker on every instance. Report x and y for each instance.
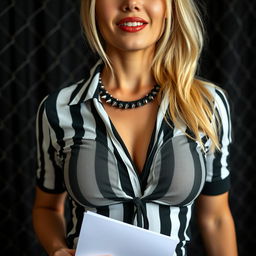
(174, 66)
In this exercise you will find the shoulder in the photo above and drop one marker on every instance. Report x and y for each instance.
(55, 106)
(221, 109)
(219, 95)
(76, 92)
(62, 96)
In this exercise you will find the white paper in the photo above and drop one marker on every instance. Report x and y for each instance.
(101, 235)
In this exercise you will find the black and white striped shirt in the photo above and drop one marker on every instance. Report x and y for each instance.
(81, 152)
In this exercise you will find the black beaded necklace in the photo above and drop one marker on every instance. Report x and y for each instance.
(104, 94)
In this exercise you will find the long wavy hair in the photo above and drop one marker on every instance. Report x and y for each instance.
(174, 66)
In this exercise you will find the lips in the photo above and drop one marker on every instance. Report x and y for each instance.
(132, 24)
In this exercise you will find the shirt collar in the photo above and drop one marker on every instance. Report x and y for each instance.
(88, 88)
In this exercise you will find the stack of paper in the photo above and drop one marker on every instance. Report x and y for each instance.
(101, 235)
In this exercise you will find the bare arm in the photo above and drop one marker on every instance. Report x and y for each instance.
(49, 222)
(216, 225)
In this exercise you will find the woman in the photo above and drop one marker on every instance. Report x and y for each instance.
(140, 139)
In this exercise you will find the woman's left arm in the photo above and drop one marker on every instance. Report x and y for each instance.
(216, 225)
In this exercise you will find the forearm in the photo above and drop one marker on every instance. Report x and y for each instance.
(49, 226)
(219, 237)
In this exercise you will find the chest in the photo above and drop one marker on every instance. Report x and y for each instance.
(97, 169)
(135, 128)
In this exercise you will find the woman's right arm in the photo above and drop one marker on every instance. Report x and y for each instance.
(49, 222)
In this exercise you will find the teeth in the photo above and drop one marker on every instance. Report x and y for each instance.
(132, 24)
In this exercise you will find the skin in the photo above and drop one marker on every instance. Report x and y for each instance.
(131, 55)
(216, 225)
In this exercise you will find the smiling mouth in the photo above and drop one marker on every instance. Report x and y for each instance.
(132, 26)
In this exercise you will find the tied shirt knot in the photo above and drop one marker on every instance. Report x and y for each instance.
(140, 211)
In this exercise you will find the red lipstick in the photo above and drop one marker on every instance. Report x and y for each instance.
(132, 24)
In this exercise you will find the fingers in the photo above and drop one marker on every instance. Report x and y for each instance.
(64, 252)
(71, 251)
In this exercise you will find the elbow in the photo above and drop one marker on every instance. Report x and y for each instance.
(212, 224)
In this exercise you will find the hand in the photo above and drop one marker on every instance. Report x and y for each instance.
(69, 252)
(64, 252)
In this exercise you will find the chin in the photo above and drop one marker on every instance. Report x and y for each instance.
(134, 47)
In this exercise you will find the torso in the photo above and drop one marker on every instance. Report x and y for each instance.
(78, 147)
(135, 127)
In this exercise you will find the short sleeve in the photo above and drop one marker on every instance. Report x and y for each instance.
(49, 177)
(217, 163)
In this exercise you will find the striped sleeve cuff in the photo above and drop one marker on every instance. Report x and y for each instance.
(216, 187)
(58, 190)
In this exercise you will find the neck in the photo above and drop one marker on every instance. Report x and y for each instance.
(132, 70)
